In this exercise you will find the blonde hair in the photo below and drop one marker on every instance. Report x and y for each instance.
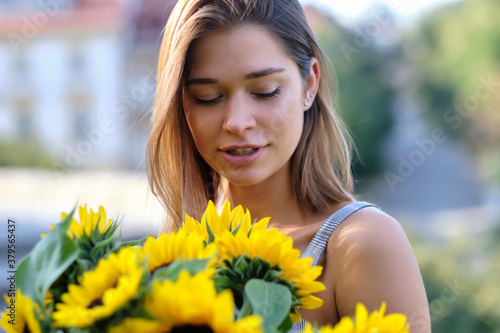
(183, 182)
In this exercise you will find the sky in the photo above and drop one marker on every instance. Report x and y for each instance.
(353, 8)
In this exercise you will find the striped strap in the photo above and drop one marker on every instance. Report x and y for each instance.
(320, 241)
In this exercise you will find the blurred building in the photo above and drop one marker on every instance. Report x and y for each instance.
(78, 77)
(147, 23)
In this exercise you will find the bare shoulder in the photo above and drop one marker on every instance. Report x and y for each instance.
(370, 260)
(369, 242)
(368, 230)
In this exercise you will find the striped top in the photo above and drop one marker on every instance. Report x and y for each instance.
(320, 240)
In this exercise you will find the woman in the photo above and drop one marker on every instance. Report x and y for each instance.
(243, 113)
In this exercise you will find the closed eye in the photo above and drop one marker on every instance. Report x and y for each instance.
(270, 95)
(205, 102)
(214, 101)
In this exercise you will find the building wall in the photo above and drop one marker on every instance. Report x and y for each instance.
(60, 80)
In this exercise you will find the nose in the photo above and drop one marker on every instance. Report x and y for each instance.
(238, 116)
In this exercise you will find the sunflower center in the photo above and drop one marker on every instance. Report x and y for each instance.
(192, 329)
(159, 267)
(96, 302)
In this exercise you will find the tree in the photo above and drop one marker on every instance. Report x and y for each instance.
(364, 96)
(457, 52)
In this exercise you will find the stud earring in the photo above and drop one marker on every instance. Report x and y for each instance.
(308, 101)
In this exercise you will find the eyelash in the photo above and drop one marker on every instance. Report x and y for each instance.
(270, 95)
(206, 103)
(214, 101)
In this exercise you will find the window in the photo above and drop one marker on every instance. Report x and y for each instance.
(24, 115)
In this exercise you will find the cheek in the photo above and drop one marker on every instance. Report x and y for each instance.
(288, 115)
(203, 127)
(194, 126)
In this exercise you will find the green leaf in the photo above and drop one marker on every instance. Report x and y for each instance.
(272, 301)
(211, 236)
(246, 309)
(222, 283)
(272, 275)
(130, 243)
(102, 245)
(82, 265)
(235, 230)
(50, 257)
(242, 264)
(171, 272)
(286, 325)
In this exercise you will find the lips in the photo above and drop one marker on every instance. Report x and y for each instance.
(242, 155)
(242, 151)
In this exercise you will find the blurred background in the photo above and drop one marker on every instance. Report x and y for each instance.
(418, 86)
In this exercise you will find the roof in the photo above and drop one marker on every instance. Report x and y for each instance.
(151, 19)
(88, 15)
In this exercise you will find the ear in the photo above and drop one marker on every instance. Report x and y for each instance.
(312, 84)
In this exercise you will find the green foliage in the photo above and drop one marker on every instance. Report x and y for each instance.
(255, 283)
(70, 250)
(89, 250)
(26, 153)
(269, 300)
(364, 95)
(172, 271)
(58, 260)
(461, 277)
(455, 50)
(50, 257)
(235, 273)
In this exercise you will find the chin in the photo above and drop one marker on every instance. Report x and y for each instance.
(244, 180)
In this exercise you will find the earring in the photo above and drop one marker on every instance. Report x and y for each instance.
(308, 101)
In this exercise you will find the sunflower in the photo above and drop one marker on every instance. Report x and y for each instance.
(22, 318)
(101, 292)
(212, 224)
(142, 325)
(277, 249)
(88, 222)
(363, 322)
(249, 324)
(190, 303)
(167, 248)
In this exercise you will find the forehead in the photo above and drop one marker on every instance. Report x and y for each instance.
(242, 50)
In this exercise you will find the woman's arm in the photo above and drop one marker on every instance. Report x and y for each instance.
(372, 261)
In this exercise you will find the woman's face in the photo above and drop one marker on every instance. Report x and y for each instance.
(243, 99)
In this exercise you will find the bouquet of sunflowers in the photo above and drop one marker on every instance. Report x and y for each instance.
(222, 274)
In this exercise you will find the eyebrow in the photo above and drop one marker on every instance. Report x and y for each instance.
(264, 72)
(250, 76)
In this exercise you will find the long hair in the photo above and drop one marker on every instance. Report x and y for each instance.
(320, 170)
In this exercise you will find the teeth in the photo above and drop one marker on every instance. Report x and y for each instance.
(244, 151)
